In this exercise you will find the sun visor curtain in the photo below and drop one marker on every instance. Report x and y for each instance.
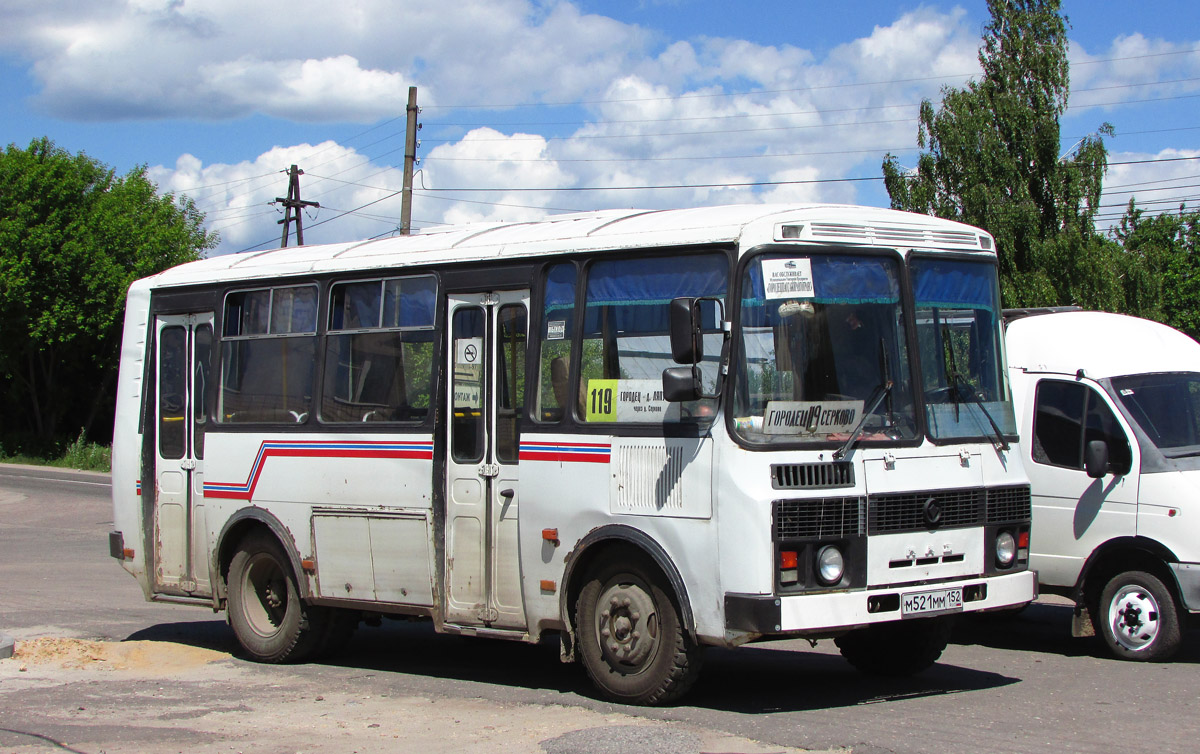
(836, 280)
(634, 294)
(954, 284)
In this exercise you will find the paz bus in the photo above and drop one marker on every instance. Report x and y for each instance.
(647, 432)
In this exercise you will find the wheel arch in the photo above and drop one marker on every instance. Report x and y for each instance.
(237, 527)
(594, 545)
(1120, 555)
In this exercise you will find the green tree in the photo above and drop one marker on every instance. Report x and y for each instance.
(992, 159)
(1163, 277)
(73, 236)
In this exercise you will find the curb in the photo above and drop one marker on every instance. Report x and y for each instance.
(6, 646)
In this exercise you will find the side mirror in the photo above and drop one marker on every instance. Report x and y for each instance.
(686, 345)
(1095, 458)
(681, 384)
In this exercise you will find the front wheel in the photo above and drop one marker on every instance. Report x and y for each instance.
(1137, 617)
(268, 618)
(899, 648)
(632, 640)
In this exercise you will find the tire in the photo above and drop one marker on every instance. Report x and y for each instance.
(632, 641)
(270, 621)
(1138, 618)
(897, 649)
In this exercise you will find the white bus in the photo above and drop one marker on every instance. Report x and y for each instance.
(650, 432)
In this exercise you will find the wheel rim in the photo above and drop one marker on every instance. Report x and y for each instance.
(627, 626)
(264, 595)
(1133, 617)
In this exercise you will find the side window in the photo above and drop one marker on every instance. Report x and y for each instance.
(172, 392)
(268, 353)
(1103, 425)
(557, 340)
(626, 336)
(1069, 414)
(510, 380)
(379, 351)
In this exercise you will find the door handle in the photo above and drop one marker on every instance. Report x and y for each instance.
(509, 493)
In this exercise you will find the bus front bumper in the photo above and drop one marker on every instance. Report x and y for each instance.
(838, 611)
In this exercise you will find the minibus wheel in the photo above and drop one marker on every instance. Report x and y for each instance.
(268, 618)
(1137, 617)
(898, 648)
(631, 638)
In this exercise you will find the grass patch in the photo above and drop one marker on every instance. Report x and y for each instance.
(79, 454)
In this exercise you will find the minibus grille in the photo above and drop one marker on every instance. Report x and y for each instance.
(913, 511)
(819, 518)
(1008, 504)
(812, 476)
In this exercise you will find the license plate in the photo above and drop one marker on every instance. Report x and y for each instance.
(924, 603)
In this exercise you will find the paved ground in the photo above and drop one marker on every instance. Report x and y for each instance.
(168, 678)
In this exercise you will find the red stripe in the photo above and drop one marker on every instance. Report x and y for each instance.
(537, 455)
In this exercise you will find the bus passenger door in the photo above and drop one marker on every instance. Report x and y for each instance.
(486, 371)
(180, 544)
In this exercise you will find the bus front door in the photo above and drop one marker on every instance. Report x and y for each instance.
(180, 543)
(486, 368)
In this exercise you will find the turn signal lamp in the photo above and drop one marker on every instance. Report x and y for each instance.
(789, 567)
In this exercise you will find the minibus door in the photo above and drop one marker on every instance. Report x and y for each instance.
(486, 368)
(180, 544)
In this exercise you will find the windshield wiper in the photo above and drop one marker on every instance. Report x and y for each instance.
(881, 392)
(962, 387)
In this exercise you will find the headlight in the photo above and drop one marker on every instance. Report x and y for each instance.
(830, 565)
(1006, 549)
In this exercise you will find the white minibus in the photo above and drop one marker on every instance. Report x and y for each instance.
(1109, 411)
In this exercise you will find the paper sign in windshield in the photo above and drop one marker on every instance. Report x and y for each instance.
(788, 278)
(811, 417)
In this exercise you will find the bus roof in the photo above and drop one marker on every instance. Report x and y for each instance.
(745, 224)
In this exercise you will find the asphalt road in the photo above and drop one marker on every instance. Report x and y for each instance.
(168, 678)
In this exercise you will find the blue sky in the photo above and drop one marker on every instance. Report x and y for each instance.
(552, 105)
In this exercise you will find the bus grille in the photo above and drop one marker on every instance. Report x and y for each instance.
(819, 518)
(840, 517)
(1006, 504)
(812, 476)
(907, 511)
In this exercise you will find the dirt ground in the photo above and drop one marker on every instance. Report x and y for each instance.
(155, 697)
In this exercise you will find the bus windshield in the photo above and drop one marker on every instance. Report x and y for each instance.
(823, 351)
(958, 333)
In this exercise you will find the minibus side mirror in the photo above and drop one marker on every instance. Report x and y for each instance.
(1095, 458)
(686, 345)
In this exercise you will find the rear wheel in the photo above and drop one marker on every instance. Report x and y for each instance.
(899, 648)
(1137, 617)
(270, 621)
(631, 638)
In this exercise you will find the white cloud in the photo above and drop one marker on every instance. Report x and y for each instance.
(1158, 182)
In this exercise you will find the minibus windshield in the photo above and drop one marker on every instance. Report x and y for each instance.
(823, 354)
(1166, 407)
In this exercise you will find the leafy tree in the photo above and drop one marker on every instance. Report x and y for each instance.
(73, 236)
(1163, 277)
(993, 160)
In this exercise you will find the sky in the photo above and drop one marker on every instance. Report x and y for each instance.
(531, 108)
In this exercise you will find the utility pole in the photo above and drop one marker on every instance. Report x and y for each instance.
(410, 159)
(293, 204)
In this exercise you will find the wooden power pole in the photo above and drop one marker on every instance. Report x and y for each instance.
(410, 159)
(292, 204)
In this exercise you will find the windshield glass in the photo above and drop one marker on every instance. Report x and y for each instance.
(958, 333)
(822, 346)
(1167, 407)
